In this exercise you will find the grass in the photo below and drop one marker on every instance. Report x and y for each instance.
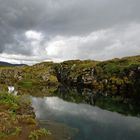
(16, 116)
(9, 100)
(16, 132)
(25, 84)
(36, 134)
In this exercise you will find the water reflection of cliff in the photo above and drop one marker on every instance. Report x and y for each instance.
(38, 91)
(97, 98)
(88, 96)
(91, 122)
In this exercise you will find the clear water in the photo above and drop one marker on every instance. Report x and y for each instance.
(84, 122)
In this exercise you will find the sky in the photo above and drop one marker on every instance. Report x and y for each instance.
(32, 31)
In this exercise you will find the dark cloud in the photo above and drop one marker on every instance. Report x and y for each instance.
(64, 18)
(68, 17)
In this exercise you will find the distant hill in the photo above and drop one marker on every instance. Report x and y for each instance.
(6, 64)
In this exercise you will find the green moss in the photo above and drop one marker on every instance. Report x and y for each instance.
(9, 100)
(25, 84)
(36, 134)
(15, 132)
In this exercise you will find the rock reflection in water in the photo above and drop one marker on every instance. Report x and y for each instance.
(97, 98)
(84, 95)
(92, 122)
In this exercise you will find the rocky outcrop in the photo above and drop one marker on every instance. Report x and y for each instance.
(10, 75)
(28, 75)
(116, 76)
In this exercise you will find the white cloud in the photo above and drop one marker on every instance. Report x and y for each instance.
(101, 45)
(33, 35)
(118, 41)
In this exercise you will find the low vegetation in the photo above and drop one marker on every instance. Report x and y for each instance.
(36, 134)
(17, 117)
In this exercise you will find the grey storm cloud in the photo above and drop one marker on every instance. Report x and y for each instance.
(74, 18)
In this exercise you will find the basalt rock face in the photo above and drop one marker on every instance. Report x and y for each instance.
(42, 73)
(75, 72)
(117, 76)
(70, 75)
(10, 75)
(38, 74)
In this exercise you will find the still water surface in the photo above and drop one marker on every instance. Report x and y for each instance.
(72, 121)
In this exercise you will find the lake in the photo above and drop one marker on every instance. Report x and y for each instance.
(69, 120)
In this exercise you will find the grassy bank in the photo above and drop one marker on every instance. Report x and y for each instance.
(18, 119)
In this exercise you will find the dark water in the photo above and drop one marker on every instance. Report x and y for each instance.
(84, 122)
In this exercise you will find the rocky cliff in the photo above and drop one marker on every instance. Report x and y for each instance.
(39, 74)
(117, 76)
